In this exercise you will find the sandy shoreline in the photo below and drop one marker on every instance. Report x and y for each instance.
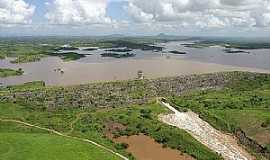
(124, 69)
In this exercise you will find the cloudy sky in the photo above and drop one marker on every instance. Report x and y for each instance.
(135, 17)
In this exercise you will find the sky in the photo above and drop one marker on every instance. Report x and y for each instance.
(135, 17)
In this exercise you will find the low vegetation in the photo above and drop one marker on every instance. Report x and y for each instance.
(10, 72)
(25, 86)
(241, 44)
(235, 51)
(27, 58)
(178, 52)
(68, 56)
(118, 55)
(119, 50)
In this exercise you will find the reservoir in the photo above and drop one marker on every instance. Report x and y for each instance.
(95, 68)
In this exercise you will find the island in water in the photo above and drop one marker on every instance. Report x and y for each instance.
(177, 52)
(6, 72)
(118, 55)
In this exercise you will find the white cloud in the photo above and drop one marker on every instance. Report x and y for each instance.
(15, 12)
(202, 13)
(78, 12)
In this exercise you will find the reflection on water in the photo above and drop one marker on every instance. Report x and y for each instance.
(259, 58)
(153, 64)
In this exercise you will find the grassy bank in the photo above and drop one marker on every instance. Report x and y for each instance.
(10, 72)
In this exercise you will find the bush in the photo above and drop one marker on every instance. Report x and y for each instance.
(267, 148)
(146, 113)
(121, 146)
(266, 123)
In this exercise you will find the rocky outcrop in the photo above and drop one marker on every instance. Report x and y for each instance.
(250, 143)
(120, 93)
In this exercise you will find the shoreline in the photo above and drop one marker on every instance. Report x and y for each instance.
(77, 73)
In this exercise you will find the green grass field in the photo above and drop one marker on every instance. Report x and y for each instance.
(21, 146)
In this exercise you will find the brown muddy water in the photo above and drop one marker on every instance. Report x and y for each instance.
(144, 148)
(124, 69)
(95, 68)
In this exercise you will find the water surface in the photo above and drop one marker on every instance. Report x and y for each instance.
(95, 68)
(145, 148)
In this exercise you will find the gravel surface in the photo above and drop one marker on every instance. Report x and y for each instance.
(225, 145)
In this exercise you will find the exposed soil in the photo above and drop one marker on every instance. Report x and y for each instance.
(112, 127)
(145, 148)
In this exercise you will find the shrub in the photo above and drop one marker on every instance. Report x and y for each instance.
(266, 123)
(267, 148)
(121, 146)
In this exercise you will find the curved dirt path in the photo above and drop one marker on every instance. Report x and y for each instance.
(63, 135)
(215, 140)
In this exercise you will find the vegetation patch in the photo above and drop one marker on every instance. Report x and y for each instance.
(117, 55)
(68, 56)
(27, 58)
(28, 85)
(178, 52)
(10, 72)
(241, 44)
(2, 56)
(119, 50)
(235, 51)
